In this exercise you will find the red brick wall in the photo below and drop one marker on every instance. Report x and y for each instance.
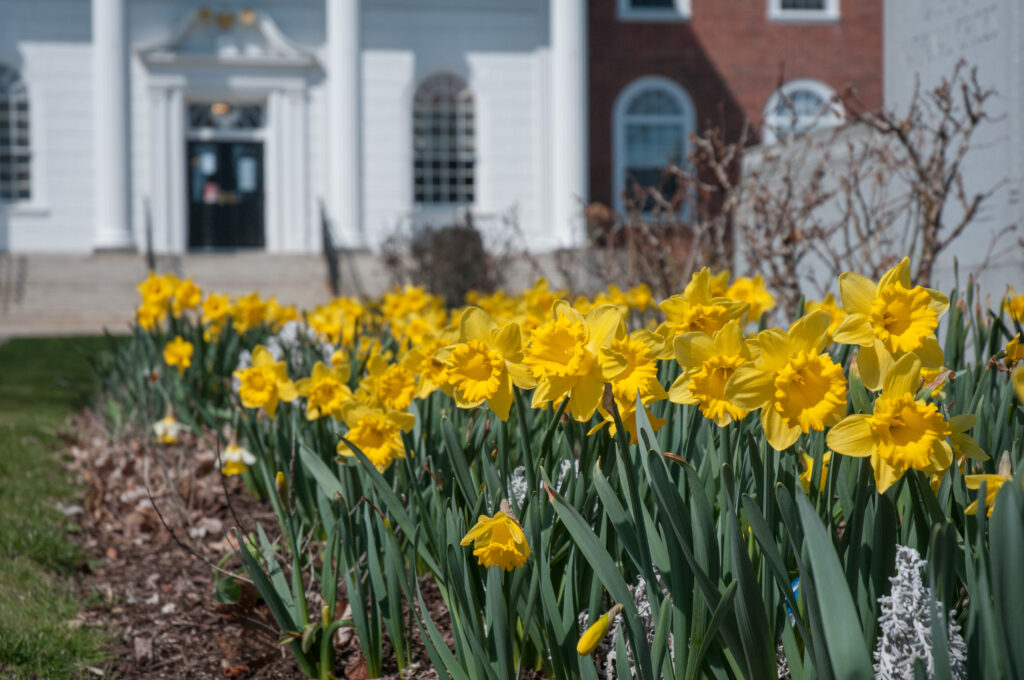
(730, 58)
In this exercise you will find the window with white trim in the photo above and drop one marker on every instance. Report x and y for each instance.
(803, 10)
(444, 150)
(653, 120)
(15, 147)
(798, 106)
(653, 10)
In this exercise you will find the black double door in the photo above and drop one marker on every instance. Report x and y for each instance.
(225, 195)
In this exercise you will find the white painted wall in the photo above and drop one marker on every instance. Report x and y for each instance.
(923, 41)
(499, 46)
(49, 42)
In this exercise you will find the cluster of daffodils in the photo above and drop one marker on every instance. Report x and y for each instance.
(168, 297)
(603, 356)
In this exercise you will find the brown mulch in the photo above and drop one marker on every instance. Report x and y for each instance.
(155, 591)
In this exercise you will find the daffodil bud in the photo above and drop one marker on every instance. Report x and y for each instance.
(280, 483)
(593, 635)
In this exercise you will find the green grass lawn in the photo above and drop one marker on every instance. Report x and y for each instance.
(42, 382)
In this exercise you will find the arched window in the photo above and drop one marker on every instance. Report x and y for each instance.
(798, 106)
(15, 152)
(443, 142)
(653, 119)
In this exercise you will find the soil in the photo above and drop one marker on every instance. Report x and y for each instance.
(154, 522)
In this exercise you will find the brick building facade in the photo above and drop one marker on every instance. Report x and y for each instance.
(729, 56)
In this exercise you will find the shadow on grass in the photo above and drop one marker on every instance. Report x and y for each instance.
(42, 383)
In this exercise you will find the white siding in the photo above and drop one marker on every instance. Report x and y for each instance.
(49, 43)
(499, 46)
(496, 46)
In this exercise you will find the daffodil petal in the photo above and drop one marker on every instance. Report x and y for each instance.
(852, 436)
(904, 376)
(857, 292)
(780, 435)
(475, 324)
(855, 329)
(691, 349)
(501, 402)
(749, 388)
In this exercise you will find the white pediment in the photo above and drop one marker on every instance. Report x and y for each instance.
(239, 37)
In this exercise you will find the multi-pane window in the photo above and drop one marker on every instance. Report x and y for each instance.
(654, 10)
(799, 106)
(647, 4)
(654, 119)
(225, 116)
(15, 148)
(803, 10)
(444, 152)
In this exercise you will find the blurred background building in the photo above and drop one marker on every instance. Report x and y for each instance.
(226, 135)
(181, 126)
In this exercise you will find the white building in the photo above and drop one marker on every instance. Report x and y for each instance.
(192, 127)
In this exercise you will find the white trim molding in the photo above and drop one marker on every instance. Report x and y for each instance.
(679, 11)
(277, 77)
(687, 118)
(828, 13)
(792, 121)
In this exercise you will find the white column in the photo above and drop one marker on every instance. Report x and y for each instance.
(112, 226)
(344, 129)
(568, 119)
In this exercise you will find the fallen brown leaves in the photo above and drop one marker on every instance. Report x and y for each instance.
(155, 590)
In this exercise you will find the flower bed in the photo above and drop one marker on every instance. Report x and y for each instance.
(718, 501)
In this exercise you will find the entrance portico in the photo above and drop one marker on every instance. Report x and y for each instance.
(228, 99)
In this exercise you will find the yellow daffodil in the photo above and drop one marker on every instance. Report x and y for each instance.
(278, 315)
(249, 312)
(235, 460)
(403, 302)
(570, 355)
(888, 320)
(640, 349)
(992, 485)
(593, 635)
(1018, 382)
(1014, 351)
(720, 283)
(376, 432)
(149, 315)
(808, 468)
(337, 321)
(167, 430)
(326, 390)
(753, 292)
(486, 363)
(265, 383)
(697, 309)
(216, 309)
(392, 386)
(1014, 304)
(498, 541)
(423, 361)
(640, 299)
(708, 362)
(963, 443)
(178, 353)
(157, 289)
(828, 304)
(903, 433)
(187, 295)
(797, 387)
